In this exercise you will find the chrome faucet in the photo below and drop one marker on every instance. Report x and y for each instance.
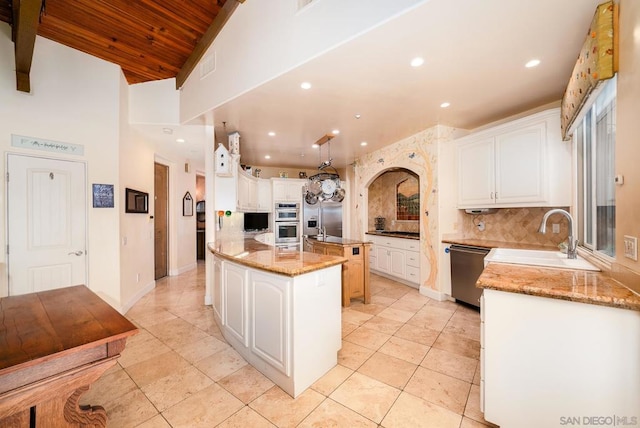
(322, 232)
(573, 244)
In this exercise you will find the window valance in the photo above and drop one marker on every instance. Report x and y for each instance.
(597, 61)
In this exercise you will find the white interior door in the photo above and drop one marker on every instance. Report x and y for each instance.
(46, 203)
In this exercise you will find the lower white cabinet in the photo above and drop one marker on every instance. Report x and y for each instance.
(217, 287)
(398, 258)
(271, 319)
(288, 328)
(235, 313)
(545, 362)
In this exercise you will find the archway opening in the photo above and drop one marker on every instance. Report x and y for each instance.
(393, 202)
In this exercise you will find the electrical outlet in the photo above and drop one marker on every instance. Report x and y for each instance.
(631, 247)
(555, 228)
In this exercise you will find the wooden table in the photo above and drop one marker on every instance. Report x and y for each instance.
(53, 346)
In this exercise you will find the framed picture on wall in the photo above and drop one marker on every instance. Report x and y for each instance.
(187, 205)
(102, 195)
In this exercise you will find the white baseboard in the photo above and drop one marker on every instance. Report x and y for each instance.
(183, 269)
(139, 295)
(434, 294)
(208, 300)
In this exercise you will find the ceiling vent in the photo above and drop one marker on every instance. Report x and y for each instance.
(304, 3)
(208, 65)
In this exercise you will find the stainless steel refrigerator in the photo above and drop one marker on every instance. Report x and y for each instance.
(327, 214)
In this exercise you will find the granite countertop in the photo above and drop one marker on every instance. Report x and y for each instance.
(285, 261)
(344, 242)
(395, 234)
(597, 288)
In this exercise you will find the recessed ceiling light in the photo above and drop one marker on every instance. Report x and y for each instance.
(445, 105)
(358, 116)
(180, 140)
(364, 143)
(267, 157)
(417, 62)
(305, 85)
(532, 63)
(272, 134)
(167, 130)
(335, 131)
(315, 146)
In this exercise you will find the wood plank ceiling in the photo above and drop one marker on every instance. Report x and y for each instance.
(149, 39)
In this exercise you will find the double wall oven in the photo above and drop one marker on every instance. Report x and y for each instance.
(287, 223)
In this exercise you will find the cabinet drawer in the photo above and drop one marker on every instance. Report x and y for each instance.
(413, 259)
(412, 244)
(413, 274)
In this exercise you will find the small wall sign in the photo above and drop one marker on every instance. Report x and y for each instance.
(187, 205)
(102, 195)
(46, 145)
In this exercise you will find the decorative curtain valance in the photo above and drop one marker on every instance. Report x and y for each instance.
(598, 61)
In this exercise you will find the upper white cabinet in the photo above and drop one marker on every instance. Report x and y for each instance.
(516, 164)
(247, 192)
(287, 190)
(265, 203)
(243, 192)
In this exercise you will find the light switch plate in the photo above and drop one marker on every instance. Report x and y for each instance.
(631, 247)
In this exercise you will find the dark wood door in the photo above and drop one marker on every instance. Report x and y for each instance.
(161, 220)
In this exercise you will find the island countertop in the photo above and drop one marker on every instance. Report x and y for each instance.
(596, 288)
(280, 260)
(338, 240)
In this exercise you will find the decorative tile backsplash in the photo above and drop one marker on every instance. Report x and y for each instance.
(514, 225)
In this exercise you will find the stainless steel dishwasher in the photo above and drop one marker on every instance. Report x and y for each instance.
(467, 263)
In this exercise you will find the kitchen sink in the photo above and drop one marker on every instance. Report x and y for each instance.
(554, 259)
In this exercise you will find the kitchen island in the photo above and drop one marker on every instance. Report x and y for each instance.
(558, 344)
(355, 271)
(279, 308)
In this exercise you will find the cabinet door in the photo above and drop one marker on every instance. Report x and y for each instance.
(217, 288)
(476, 173)
(398, 265)
(383, 259)
(243, 191)
(279, 191)
(271, 308)
(294, 191)
(352, 278)
(235, 309)
(264, 196)
(520, 165)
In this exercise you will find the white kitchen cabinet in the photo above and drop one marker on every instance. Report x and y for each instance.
(271, 311)
(397, 258)
(544, 359)
(287, 190)
(247, 192)
(217, 288)
(264, 197)
(398, 265)
(288, 328)
(235, 311)
(516, 164)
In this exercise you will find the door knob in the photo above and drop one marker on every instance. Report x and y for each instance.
(77, 253)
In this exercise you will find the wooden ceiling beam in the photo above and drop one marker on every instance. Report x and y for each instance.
(25, 27)
(207, 39)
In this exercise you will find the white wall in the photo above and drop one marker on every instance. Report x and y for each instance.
(264, 39)
(156, 102)
(74, 99)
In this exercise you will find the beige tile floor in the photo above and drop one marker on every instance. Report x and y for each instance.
(406, 361)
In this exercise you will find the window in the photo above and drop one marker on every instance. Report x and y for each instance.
(408, 199)
(595, 138)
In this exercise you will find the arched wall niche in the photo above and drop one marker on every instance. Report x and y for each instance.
(392, 195)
